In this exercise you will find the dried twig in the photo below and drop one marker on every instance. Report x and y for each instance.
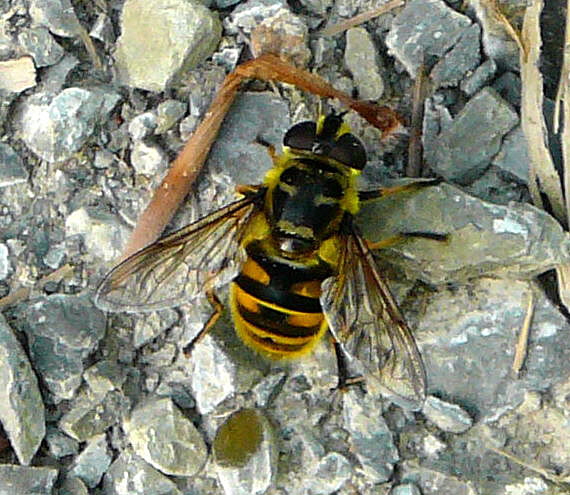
(185, 168)
(522, 342)
(23, 293)
(492, 10)
(545, 473)
(183, 171)
(334, 29)
(563, 97)
(415, 150)
(542, 173)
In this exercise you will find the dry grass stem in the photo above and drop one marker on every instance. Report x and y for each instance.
(335, 29)
(415, 150)
(542, 173)
(184, 170)
(492, 10)
(521, 348)
(23, 293)
(563, 100)
(545, 473)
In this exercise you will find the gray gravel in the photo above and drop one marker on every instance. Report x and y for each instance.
(109, 405)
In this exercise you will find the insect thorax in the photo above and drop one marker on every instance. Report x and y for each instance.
(306, 202)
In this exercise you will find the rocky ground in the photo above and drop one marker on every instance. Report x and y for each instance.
(97, 97)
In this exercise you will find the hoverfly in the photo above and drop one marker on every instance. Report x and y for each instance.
(297, 265)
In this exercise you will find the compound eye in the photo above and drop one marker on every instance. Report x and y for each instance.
(349, 151)
(301, 136)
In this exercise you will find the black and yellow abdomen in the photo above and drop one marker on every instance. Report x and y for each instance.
(275, 304)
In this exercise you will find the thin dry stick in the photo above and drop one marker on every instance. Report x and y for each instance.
(415, 150)
(23, 293)
(522, 343)
(548, 475)
(90, 47)
(493, 11)
(334, 29)
(541, 166)
(184, 170)
(271, 68)
(186, 167)
(563, 96)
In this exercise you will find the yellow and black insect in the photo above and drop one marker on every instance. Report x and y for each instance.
(296, 263)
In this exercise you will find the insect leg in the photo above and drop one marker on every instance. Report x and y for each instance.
(271, 151)
(218, 308)
(404, 236)
(345, 377)
(248, 189)
(384, 192)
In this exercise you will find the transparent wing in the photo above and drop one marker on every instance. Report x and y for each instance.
(176, 268)
(364, 318)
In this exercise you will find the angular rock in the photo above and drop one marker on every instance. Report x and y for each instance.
(17, 75)
(73, 486)
(465, 148)
(447, 417)
(5, 266)
(91, 414)
(56, 127)
(92, 462)
(236, 152)
(62, 330)
(267, 388)
(424, 29)
(360, 60)
(165, 438)
(462, 58)
(212, 375)
(21, 407)
(103, 30)
(330, 474)
(105, 376)
(103, 234)
(405, 489)
(467, 336)
(168, 113)
(12, 169)
(57, 15)
(514, 241)
(370, 438)
(480, 77)
(247, 16)
(433, 482)
(171, 36)
(154, 324)
(22, 480)
(130, 475)
(54, 78)
(513, 155)
(142, 126)
(149, 159)
(40, 44)
(498, 43)
(59, 444)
